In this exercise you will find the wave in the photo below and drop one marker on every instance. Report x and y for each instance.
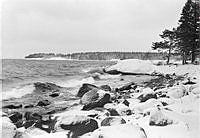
(17, 92)
(76, 82)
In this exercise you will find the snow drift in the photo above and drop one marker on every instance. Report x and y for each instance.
(135, 66)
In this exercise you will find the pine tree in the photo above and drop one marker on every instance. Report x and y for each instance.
(187, 34)
(168, 43)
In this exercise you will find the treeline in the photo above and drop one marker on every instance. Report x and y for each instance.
(184, 39)
(103, 55)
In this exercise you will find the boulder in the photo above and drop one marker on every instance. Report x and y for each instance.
(54, 94)
(16, 116)
(32, 116)
(112, 72)
(125, 102)
(105, 87)
(90, 96)
(141, 107)
(77, 125)
(176, 92)
(195, 89)
(46, 87)
(109, 121)
(157, 118)
(28, 106)
(146, 94)
(94, 98)
(13, 106)
(43, 103)
(8, 129)
(85, 88)
(127, 86)
(118, 131)
(31, 132)
(118, 109)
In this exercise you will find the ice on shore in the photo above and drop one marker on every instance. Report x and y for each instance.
(133, 66)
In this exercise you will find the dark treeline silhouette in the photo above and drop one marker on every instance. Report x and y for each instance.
(103, 55)
(184, 39)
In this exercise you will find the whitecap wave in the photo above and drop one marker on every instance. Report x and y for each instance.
(76, 82)
(17, 92)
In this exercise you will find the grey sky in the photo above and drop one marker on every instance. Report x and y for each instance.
(65, 26)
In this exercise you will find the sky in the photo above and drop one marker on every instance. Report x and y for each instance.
(67, 26)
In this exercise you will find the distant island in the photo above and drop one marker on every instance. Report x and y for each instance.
(101, 55)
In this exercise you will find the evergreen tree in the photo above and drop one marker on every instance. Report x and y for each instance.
(168, 44)
(187, 33)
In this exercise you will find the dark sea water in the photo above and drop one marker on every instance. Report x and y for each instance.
(18, 75)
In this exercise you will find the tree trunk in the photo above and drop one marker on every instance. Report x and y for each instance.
(193, 56)
(183, 58)
(169, 55)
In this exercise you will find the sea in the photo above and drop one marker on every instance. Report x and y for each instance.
(19, 75)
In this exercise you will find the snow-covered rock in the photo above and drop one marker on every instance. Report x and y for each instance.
(133, 66)
(158, 118)
(118, 131)
(142, 107)
(112, 120)
(77, 125)
(176, 91)
(146, 94)
(121, 109)
(8, 129)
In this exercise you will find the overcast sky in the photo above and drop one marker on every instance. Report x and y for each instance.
(66, 26)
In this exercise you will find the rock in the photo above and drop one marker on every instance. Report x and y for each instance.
(195, 89)
(46, 87)
(112, 72)
(28, 106)
(77, 125)
(109, 121)
(113, 112)
(125, 102)
(36, 120)
(54, 95)
(141, 107)
(90, 96)
(8, 129)
(16, 116)
(127, 86)
(157, 118)
(11, 106)
(32, 116)
(118, 131)
(99, 103)
(31, 132)
(93, 99)
(146, 94)
(43, 103)
(85, 88)
(120, 108)
(105, 87)
(176, 91)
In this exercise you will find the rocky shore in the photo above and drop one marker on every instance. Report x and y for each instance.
(165, 106)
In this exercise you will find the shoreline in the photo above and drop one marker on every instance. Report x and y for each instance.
(137, 99)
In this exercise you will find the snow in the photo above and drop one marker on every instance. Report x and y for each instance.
(133, 66)
(148, 67)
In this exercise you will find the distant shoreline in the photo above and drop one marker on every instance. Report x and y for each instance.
(98, 56)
